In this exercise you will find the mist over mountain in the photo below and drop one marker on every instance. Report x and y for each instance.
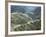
(22, 8)
(32, 11)
(25, 18)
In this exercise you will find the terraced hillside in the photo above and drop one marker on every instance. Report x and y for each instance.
(25, 18)
(22, 22)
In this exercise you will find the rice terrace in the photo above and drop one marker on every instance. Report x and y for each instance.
(25, 18)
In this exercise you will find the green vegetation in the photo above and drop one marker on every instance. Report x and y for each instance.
(22, 23)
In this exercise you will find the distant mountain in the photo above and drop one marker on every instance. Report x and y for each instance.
(22, 8)
(36, 14)
(25, 18)
(33, 11)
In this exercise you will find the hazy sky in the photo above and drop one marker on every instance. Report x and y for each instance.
(23, 8)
